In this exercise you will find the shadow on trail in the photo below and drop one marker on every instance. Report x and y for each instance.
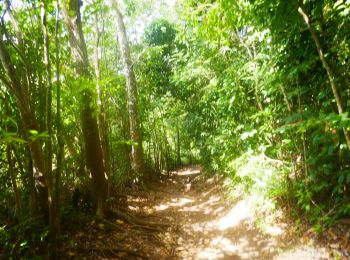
(185, 216)
(206, 225)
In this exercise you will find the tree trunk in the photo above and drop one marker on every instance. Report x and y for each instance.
(178, 151)
(33, 201)
(94, 160)
(101, 109)
(53, 220)
(328, 69)
(15, 85)
(15, 190)
(60, 141)
(137, 162)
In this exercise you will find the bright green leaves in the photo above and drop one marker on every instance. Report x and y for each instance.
(255, 82)
(9, 138)
(160, 33)
(343, 7)
(35, 135)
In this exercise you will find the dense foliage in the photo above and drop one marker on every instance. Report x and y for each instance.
(257, 90)
(261, 87)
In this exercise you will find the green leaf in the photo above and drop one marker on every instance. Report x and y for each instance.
(341, 179)
(33, 132)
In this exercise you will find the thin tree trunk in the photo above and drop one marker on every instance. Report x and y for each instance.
(256, 81)
(19, 83)
(33, 204)
(100, 101)
(60, 141)
(300, 109)
(29, 123)
(137, 162)
(285, 97)
(167, 152)
(328, 69)
(15, 190)
(178, 152)
(14, 24)
(94, 159)
(15, 249)
(251, 56)
(20, 49)
(53, 220)
(13, 177)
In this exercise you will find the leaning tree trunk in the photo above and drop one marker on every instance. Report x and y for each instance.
(18, 82)
(15, 83)
(94, 160)
(137, 162)
(326, 66)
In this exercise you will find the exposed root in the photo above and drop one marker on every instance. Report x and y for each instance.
(152, 224)
(135, 221)
(162, 190)
(149, 228)
(114, 226)
(115, 250)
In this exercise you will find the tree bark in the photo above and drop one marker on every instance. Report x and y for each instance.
(178, 151)
(137, 162)
(94, 159)
(327, 67)
(15, 85)
(60, 141)
(15, 189)
(53, 220)
(103, 126)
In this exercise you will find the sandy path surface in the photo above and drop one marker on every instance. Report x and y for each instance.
(199, 222)
(206, 225)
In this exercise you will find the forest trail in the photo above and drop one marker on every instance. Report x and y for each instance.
(206, 225)
(202, 224)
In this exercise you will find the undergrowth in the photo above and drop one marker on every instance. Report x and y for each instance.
(271, 184)
(260, 178)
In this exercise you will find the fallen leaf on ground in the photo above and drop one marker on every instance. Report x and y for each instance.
(120, 222)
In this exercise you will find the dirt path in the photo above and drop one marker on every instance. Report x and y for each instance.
(208, 226)
(203, 224)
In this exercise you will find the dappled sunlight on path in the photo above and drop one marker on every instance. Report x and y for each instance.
(209, 226)
(188, 215)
